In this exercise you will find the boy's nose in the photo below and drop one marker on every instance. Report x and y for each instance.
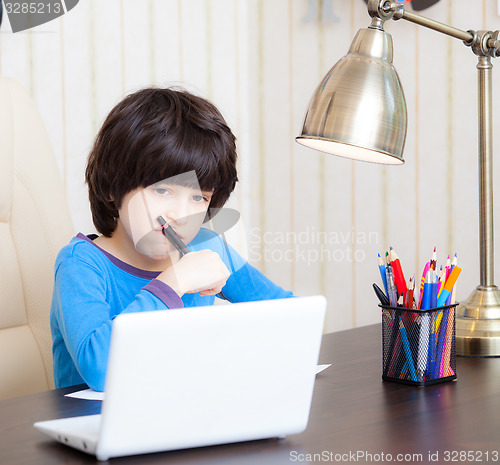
(175, 220)
(177, 215)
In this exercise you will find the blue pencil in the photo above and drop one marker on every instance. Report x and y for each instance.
(381, 267)
(406, 345)
(430, 356)
(440, 344)
(434, 289)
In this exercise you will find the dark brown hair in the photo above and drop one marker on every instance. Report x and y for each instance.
(152, 135)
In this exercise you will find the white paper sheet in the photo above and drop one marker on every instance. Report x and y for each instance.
(87, 394)
(320, 368)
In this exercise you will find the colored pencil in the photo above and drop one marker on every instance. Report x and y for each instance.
(409, 294)
(381, 268)
(425, 328)
(422, 282)
(451, 299)
(399, 277)
(433, 289)
(434, 259)
(391, 287)
(441, 281)
(448, 267)
(448, 287)
(406, 346)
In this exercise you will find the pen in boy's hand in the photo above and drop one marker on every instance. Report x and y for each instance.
(176, 241)
(170, 234)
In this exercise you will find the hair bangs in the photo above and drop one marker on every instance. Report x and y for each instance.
(191, 161)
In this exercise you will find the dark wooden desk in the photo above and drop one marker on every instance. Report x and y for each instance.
(353, 412)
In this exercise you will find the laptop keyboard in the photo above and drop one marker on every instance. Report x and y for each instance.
(86, 427)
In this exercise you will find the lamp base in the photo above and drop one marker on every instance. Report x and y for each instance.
(478, 324)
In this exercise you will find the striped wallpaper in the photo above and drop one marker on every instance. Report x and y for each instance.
(312, 222)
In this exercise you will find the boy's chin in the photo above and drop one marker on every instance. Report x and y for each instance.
(155, 254)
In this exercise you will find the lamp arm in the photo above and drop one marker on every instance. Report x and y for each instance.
(466, 36)
(484, 44)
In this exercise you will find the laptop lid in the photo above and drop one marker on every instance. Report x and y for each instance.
(210, 375)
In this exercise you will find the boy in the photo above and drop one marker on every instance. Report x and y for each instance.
(160, 152)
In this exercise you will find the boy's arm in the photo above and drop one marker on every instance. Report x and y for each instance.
(85, 317)
(246, 282)
(249, 284)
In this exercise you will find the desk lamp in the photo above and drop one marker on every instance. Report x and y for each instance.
(359, 111)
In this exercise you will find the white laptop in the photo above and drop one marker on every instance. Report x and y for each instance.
(203, 376)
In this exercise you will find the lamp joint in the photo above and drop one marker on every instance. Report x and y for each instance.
(399, 11)
(385, 9)
(474, 40)
(484, 43)
(377, 23)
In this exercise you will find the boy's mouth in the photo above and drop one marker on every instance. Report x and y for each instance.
(161, 232)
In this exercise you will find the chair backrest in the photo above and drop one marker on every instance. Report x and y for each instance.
(34, 224)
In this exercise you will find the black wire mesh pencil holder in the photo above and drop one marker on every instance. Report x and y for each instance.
(418, 346)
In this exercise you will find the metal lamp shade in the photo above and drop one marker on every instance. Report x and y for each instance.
(359, 109)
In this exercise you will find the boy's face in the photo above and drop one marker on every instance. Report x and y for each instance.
(183, 205)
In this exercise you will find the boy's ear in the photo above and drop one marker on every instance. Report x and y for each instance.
(111, 201)
(112, 206)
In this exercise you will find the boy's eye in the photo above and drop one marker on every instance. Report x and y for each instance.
(200, 198)
(160, 190)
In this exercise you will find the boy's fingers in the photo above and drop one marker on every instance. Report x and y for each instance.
(208, 292)
(212, 291)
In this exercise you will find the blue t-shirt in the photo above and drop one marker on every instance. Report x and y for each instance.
(92, 287)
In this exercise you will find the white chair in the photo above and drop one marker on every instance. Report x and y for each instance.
(34, 224)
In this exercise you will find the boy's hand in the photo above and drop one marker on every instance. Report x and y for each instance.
(202, 272)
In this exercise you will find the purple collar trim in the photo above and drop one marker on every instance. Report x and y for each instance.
(121, 264)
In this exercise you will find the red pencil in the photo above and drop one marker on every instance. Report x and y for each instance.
(398, 273)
